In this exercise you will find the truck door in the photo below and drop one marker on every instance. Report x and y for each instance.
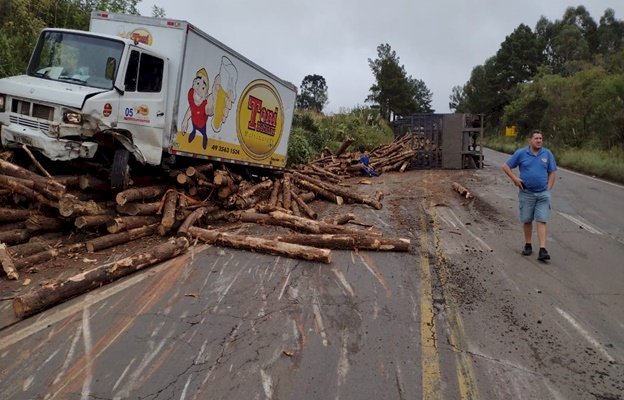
(142, 106)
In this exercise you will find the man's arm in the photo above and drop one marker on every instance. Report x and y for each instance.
(551, 180)
(516, 181)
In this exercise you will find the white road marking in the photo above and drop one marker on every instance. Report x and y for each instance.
(86, 336)
(267, 384)
(316, 309)
(188, 381)
(478, 239)
(70, 355)
(585, 334)
(284, 287)
(582, 224)
(343, 281)
(343, 361)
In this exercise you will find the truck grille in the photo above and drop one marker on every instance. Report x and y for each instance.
(30, 123)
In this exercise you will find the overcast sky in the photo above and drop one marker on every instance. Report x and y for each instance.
(438, 41)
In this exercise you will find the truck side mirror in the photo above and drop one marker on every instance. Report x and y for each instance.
(111, 65)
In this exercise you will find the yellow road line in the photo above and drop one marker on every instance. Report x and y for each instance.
(465, 372)
(430, 357)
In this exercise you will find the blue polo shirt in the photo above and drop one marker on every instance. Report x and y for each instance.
(534, 168)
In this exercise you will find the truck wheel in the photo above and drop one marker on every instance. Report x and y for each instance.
(120, 173)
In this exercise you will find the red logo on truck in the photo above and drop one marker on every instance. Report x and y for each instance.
(108, 109)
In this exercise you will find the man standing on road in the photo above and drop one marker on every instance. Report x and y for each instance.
(537, 176)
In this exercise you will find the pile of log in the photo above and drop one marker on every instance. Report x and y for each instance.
(401, 154)
(44, 216)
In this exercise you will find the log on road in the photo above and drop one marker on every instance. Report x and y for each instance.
(262, 245)
(114, 239)
(347, 242)
(7, 263)
(56, 292)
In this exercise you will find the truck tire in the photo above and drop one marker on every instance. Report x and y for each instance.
(120, 172)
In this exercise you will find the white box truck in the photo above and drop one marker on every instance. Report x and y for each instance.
(150, 88)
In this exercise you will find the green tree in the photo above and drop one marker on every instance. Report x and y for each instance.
(313, 95)
(394, 92)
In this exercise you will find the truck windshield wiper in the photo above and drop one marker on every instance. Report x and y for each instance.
(40, 75)
(72, 79)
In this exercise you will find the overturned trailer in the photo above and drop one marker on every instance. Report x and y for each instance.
(450, 141)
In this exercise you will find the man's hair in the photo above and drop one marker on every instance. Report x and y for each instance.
(533, 132)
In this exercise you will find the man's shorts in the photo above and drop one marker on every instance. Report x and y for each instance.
(534, 206)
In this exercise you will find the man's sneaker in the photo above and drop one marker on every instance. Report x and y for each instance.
(527, 250)
(543, 255)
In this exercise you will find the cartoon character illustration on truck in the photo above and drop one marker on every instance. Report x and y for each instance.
(204, 104)
(201, 106)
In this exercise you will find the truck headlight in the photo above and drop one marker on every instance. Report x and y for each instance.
(2, 100)
(72, 118)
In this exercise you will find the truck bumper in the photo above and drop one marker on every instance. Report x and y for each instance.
(54, 149)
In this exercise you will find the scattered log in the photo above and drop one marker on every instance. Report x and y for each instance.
(35, 161)
(47, 255)
(192, 218)
(326, 194)
(19, 172)
(462, 190)
(12, 214)
(262, 245)
(71, 206)
(86, 221)
(303, 206)
(348, 242)
(347, 142)
(14, 185)
(38, 222)
(130, 222)
(307, 196)
(142, 193)
(56, 292)
(340, 219)
(339, 191)
(93, 183)
(114, 239)
(68, 180)
(251, 195)
(15, 236)
(275, 192)
(168, 214)
(139, 208)
(7, 263)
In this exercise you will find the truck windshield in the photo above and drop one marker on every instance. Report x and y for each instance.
(76, 58)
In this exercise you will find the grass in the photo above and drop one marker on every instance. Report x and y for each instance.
(603, 164)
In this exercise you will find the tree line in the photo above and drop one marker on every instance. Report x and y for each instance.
(564, 76)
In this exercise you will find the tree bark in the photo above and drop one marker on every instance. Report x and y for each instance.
(17, 171)
(340, 219)
(347, 242)
(262, 245)
(344, 146)
(86, 221)
(13, 184)
(303, 206)
(462, 190)
(341, 191)
(139, 194)
(192, 218)
(326, 194)
(114, 239)
(168, 215)
(15, 236)
(275, 193)
(93, 183)
(38, 222)
(56, 292)
(286, 191)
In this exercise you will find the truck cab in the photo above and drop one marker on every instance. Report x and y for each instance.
(88, 95)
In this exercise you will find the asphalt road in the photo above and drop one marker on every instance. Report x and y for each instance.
(462, 316)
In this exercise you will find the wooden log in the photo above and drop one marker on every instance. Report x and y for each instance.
(295, 208)
(303, 206)
(343, 192)
(265, 208)
(139, 208)
(53, 293)
(275, 192)
(307, 196)
(32, 247)
(45, 188)
(286, 190)
(141, 193)
(168, 214)
(93, 183)
(129, 222)
(15, 236)
(242, 198)
(71, 206)
(193, 218)
(462, 190)
(19, 172)
(15, 186)
(222, 178)
(347, 142)
(262, 245)
(379, 195)
(191, 171)
(86, 221)
(340, 219)
(68, 180)
(325, 173)
(14, 214)
(404, 166)
(38, 222)
(47, 255)
(7, 263)
(115, 239)
(326, 194)
(346, 242)
(36, 162)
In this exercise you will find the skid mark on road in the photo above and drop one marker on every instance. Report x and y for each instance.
(372, 268)
(484, 246)
(343, 281)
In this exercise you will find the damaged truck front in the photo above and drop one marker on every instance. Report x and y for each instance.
(144, 88)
